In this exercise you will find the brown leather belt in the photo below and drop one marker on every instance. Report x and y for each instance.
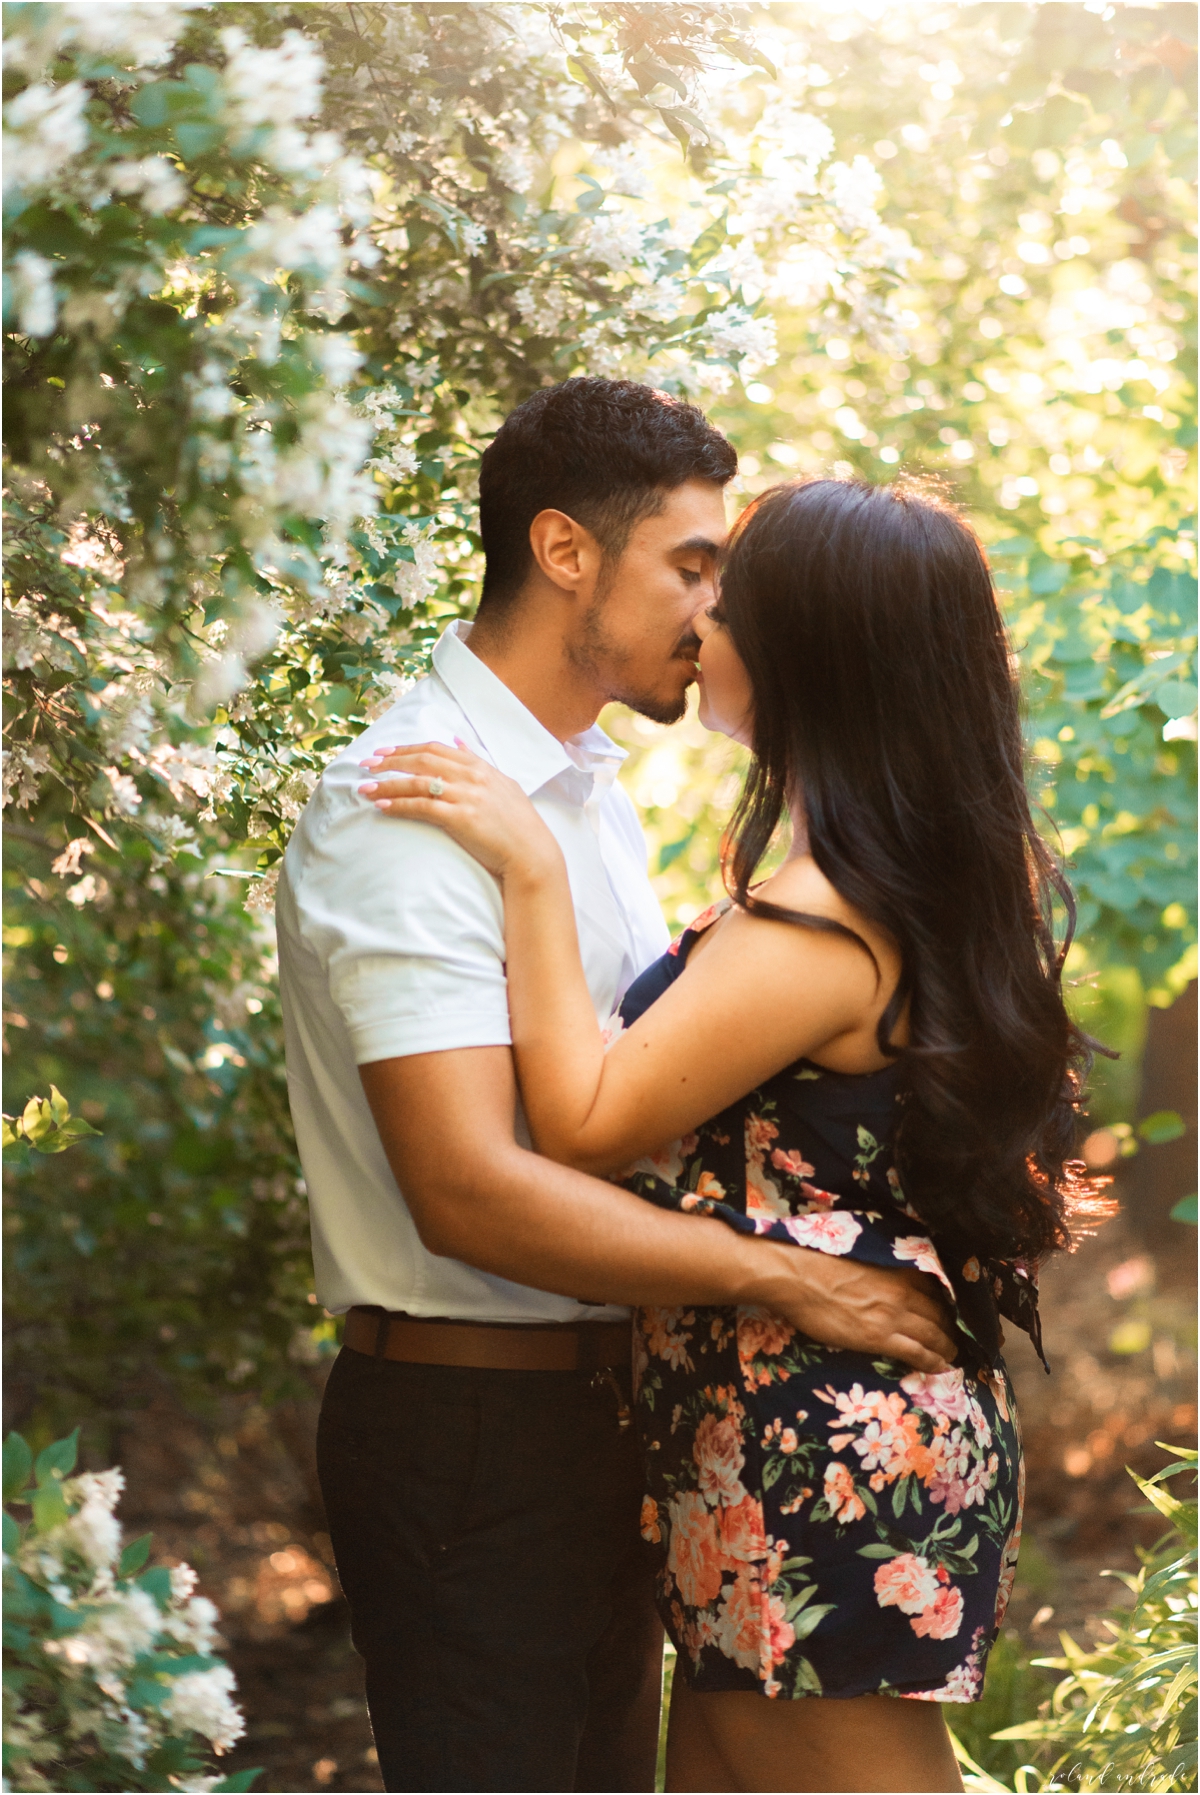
(490, 1346)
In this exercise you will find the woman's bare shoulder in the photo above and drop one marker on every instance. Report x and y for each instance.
(799, 884)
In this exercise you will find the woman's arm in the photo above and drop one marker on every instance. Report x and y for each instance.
(760, 995)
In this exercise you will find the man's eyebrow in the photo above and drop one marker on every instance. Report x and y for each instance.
(697, 545)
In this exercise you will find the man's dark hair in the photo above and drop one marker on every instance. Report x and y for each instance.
(605, 452)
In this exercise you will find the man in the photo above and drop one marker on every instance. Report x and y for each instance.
(481, 1478)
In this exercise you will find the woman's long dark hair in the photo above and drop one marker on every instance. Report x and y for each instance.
(884, 691)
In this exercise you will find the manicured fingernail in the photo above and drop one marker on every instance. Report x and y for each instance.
(383, 803)
(372, 785)
(458, 742)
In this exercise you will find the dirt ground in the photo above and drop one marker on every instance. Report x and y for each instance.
(239, 1501)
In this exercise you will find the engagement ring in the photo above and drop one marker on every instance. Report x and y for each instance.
(436, 787)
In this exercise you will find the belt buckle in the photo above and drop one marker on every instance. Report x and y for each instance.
(605, 1379)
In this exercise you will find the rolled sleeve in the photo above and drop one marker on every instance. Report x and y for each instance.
(408, 928)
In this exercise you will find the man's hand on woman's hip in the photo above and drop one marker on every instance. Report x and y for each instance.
(866, 1308)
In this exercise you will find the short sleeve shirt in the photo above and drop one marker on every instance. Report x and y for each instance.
(391, 942)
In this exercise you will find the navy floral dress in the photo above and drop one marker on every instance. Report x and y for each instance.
(822, 1522)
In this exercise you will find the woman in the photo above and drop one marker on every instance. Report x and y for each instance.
(867, 1053)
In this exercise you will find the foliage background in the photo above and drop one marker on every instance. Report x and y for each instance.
(273, 273)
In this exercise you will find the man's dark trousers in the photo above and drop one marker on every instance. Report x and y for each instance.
(485, 1525)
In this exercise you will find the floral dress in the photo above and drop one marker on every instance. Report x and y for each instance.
(823, 1522)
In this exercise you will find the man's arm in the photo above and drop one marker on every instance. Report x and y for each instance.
(446, 1122)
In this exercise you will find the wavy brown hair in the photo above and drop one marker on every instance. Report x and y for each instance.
(885, 693)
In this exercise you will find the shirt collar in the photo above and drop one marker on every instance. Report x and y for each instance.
(518, 744)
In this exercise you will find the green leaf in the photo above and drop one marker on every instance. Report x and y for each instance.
(581, 70)
(708, 243)
(237, 1783)
(879, 1551)
(157, 1583)
(49, 1507)
(135, 1555)
(57, 1460)
(194, 140)
(1164, 1125)
(810, 1618)
(12, 1535)
(1176, 698)
(1185, 1209)
(18, 1465)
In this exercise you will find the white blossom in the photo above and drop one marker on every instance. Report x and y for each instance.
(734, 332)
(273, 85)
(68, 863)
(515, 169)
(615, 238)
(260, 899)
(193, 1624)
(143, 33)
(310, 240)
(45, 127)
(854, 188)
(118, 1630)
(159, 182)
(542, 308)
(416, 580)
(35, 296)
(125, 794)
(397, 464)
(93, 1529)
(25, 765)
(126, 720)
(335, 355)
(627, 168)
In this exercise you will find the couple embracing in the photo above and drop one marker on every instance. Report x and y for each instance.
(816, 1145)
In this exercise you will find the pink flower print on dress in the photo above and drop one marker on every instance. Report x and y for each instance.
(693, 1555)
(612, 1028)
(708, 1186)
(764, 1199)
(938, 1393)
(832, 1232)
(759, 1135)
(718, 1454)
(981, 1427)
(658, 1327)
(845, 1503)
(908, 1583)
(943, 1618)
(895, 1450)
(818, 1198)
(739, 1622)
(791, 1162)
(952, 1464)
(857, 1406)
(650, 1530)
(761, 1335)
(778, 1634)
(743, 1531)
(916, 1250)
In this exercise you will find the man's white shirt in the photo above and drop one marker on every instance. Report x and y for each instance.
(391, 942)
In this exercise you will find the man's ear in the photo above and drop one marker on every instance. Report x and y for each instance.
(566, 553)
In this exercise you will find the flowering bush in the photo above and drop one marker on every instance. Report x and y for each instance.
(110, 1679)
(268, 293)
(253, 362)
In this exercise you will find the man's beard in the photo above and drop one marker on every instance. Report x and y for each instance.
(598, 656)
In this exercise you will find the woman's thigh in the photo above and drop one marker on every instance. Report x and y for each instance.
(739, 1741)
